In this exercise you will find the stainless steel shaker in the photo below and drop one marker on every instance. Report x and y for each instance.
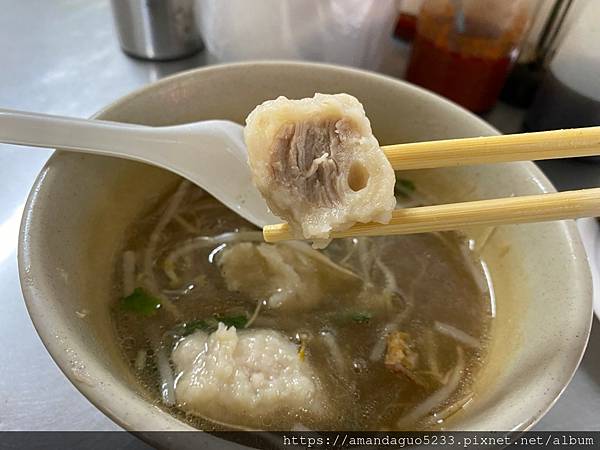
(157, 29)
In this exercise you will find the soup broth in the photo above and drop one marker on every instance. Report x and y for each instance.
(394, 332)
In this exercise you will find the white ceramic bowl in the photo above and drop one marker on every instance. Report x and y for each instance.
(80, 206)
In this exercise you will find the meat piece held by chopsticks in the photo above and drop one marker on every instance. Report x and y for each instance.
(318, 165)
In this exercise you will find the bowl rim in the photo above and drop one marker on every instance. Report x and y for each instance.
(117, 414)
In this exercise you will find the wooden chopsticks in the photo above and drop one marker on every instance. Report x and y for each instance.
(494, 149)
(488, 149)
(454, 216)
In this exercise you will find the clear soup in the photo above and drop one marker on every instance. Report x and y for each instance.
(394, 341)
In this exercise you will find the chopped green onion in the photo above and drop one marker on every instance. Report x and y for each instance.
(141, 302)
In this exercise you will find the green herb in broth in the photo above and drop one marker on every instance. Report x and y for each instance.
(233, 321)
(404, 187)
(361, 317)
(188, 328)
(141, 302)
(211, 324)
(344, 338)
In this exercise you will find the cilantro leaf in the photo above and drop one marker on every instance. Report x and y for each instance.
(141, 302)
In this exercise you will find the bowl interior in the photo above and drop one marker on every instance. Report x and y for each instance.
(81, 205)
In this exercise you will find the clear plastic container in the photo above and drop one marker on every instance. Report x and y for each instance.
(348, 32)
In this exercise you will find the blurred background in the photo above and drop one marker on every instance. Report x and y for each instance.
(519, 64)
(537, 56)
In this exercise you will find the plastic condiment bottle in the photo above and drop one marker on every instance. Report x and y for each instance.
(464, 49)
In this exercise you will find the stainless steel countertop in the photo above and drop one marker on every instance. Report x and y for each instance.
(62, 57)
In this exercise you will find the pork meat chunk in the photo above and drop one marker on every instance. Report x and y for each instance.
(318, 165)
(288, 275)
(243, 376)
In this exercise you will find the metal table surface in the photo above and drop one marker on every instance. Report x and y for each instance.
(62, 57)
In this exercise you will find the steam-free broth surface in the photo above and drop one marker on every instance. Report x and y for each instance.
(394, 330)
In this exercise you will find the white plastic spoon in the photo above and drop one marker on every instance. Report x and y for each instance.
(211, 153)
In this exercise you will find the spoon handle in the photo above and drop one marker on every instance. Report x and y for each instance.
(210, 153)
(90, 136)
